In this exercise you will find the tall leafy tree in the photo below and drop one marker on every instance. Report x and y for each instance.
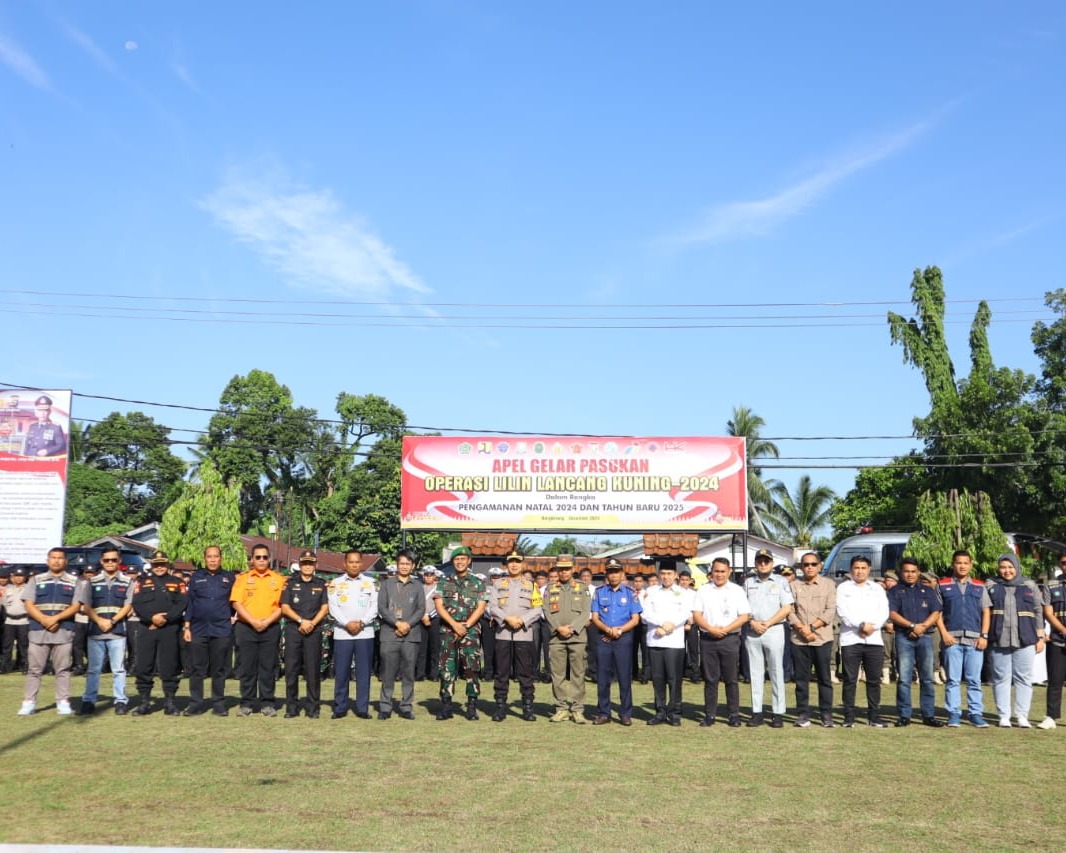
(745, 423)
(95, 505)
(796, 517)
(948, 521)
(207, 513)
(257, 439)
(883, 498)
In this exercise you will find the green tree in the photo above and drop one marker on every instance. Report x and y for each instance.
(207, 513)
(948, 521)
(796, 517)
(561, 545)
(94, 503)
(745, 423)
(257, 439)
(136, 450)
(882, 498)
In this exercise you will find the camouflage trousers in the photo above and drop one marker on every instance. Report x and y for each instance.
(459, 654)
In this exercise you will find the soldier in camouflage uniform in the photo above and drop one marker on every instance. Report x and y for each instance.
(460, 602)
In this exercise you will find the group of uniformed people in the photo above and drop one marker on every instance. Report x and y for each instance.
(213, 609)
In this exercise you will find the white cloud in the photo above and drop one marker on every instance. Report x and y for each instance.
(15, 58)
(130, 45)
(83, 40)
(740, 219)
(310, 237)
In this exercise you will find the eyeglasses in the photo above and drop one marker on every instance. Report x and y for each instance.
(807, 565)
(260, 557)
(109, 560)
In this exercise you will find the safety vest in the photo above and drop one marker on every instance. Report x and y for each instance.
(108, 599)
(962, 607)
(1027, 606)
(54, 595)
(1057, 591)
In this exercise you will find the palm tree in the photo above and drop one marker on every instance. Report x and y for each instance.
(760, 499)
(794, 519)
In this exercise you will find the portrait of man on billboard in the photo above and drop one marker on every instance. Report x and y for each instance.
(43, 437)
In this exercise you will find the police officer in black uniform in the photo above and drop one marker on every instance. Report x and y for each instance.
(44, 438)
(304, 606)
(159, 601)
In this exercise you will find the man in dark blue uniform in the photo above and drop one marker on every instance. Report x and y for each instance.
(44, 438)
(914, 611)
(209, 632)
(304, 605)
(615, 614)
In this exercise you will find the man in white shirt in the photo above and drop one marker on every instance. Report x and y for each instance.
(721, 609)
(764, 636)
(353, 604)
(667, 608)
(862, 606)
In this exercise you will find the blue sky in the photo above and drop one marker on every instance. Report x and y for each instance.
(503, 216)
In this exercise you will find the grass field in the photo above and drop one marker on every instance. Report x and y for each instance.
(426, 785)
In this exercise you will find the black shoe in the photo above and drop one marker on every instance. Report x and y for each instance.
(339, 715)
(932, 722)
(122, 708)
(193, 709)
(220, 711)
(528, 714)
(849, 722)
(876, 723)
(706, 722)
(471, 709)
(405, 715)
(143, 710)
(363, 715)
(446, 710)
(675, 721)
(499, 714)
(290, 713)
(734, 723)
(903, 721)
(626, 721)
(87, 709)
(776, 722)
(170, 709)
(657, 720)
(312, 714)
(827, 722)
(756, 720)
(384, 715)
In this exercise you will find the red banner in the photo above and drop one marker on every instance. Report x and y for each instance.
(34, 430)
(574, 483)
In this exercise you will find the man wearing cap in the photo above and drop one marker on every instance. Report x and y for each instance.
(914, 610)
(256, 597)
(515, 607)
(208, 630)
(353, 604)
(304, 606)
(158, 601)
(764, 636)
(44, 438)
(566, 610)
(428, 666)
(721, 610)
(401, 605)
(107, 599)
(460, 601)
(51, 602)
(667, 609)
(16, 623)
(615, 613)
(811, 623)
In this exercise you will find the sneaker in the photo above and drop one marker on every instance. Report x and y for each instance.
(27, 708)
(560, 716)
(978, 723)
(876, 723)
(953, 724)
(1046, 723)
(1023, 723)
(848, 723)
(122, 708)
(1004, 722)
(269, 711)
(577, 716)
(827, 722)
(245, 711)
(63, 708)
(87, 709)
(802, 722)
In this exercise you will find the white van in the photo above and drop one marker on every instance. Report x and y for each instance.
(883, 550)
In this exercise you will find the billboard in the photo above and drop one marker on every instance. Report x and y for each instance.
(573, 483)
(34, 435)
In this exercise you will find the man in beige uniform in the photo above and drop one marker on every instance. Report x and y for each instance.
(566, 610)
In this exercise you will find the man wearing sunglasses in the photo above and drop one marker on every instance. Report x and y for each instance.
(812, 639)
(107, 599)
(256, 597)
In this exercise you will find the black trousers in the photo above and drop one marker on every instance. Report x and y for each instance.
(428, 664)
(1056, 675)
(258, 662)
(543, 636)
(641, 663)
(871, 658)
(692, 652)
(303, 653)
(17, 638)
(520, 655)
(209, 657)
(488, 648)
(720, 661)
(157, 652)
(592, 637)
(80, 650)
(805, 657)
(667, 673)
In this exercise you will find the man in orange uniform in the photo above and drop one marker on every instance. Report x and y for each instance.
(256, 598)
